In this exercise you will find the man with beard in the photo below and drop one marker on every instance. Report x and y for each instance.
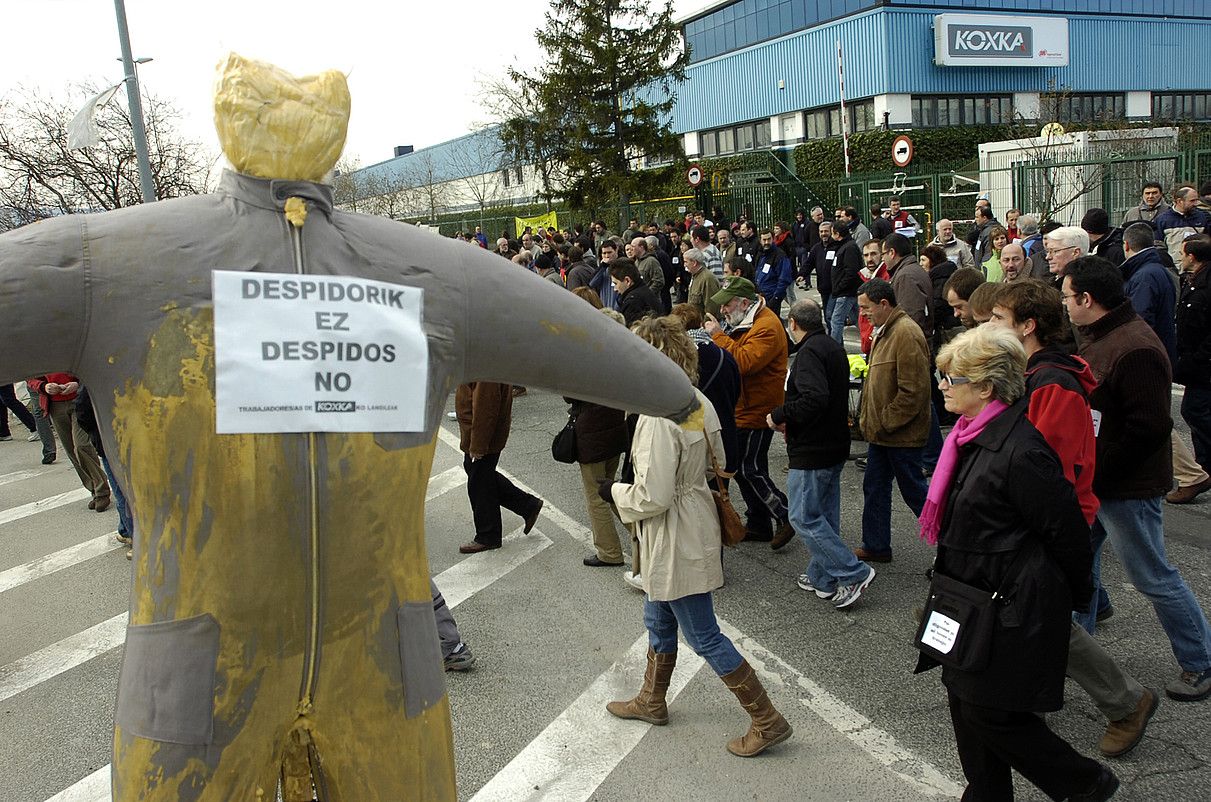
(773, 272)
(758, 343)
(727, 248)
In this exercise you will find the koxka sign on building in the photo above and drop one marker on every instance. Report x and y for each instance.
(988, 40)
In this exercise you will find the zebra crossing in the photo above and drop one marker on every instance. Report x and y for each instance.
(529, 722)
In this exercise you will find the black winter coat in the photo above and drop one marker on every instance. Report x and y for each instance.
(1193, 367)
(1009, 494)
(719, 381)
(601, 432)
(639, 302)
(816, 410)
(943, 315)
(847, 267)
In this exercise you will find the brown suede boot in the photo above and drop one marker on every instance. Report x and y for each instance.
(649, 705)
(768, 727)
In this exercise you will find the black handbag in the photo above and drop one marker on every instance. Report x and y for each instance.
(563, 447)
(959, 621)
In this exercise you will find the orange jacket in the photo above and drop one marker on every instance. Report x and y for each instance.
(760, 353)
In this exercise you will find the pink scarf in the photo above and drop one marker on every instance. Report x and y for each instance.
(966, 430)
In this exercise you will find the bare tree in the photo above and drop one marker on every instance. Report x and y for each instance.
(421, 173)
(512, 105)
(40, 177)
(349, 189)
(393, 195)
(478, 159)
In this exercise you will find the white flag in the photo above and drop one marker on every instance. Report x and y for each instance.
(81, 133)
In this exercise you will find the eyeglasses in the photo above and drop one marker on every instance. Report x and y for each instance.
(1054, 251)
(955, 381)
(1070, 297)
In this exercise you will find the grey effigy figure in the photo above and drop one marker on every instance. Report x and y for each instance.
(281, 622)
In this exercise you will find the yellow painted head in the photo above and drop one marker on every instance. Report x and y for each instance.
(274, 125)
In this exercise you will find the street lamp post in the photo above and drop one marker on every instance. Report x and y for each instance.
(136, 105)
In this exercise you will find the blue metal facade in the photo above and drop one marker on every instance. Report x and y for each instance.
(890, 50)
(746, 22)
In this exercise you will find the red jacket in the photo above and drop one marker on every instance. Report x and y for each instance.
(35, 385)
(1059, 386)
(865, 329)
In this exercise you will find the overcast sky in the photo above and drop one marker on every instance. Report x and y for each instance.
(412, 65)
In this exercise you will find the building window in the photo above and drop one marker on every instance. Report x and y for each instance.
(727, 141)
(744, 137)
(505, 173)
(519, 180)
(735, 139)
(825, 122)
(1181, 106)
(1082, 108)
(940, 112)
(763, 134)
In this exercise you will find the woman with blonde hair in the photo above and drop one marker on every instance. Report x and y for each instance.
(670, 503)
(1007, 524)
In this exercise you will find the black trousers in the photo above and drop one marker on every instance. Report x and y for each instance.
(488, 492)
(8, 398)
(765, 503)
(991, 742)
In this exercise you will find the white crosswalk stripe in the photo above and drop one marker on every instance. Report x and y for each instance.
(42, 505)
(575, 753)
(64, 558)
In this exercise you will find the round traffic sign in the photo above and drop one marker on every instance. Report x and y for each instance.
(694, 175)
(901, 151)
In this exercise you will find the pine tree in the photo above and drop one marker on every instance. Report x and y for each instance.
(603, 104)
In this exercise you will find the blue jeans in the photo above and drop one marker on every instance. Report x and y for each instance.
(883, 465)
(1196, 411)
(1136, 530)
(843, 307)
(125, 525)
(933, 446)
(815, 509)
(696, 616)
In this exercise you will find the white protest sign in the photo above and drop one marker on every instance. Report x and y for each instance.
(941, 632)
(302, 353)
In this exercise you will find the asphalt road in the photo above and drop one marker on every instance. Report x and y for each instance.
(555, 639)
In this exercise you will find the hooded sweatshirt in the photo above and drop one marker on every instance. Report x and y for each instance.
(1059, 386)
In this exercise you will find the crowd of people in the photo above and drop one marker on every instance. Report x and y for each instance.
(1049, 352)
(1015, 387)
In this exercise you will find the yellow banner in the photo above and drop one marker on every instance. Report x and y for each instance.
(535, 223)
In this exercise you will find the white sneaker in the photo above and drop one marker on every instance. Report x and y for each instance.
(805, 584)
(33, 437)
(634, 580)
(4, 437)
(848, 594)
(452, 415)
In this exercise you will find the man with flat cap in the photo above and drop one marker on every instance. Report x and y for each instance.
(758, 343)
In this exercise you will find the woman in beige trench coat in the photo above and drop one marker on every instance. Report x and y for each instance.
(679, 540)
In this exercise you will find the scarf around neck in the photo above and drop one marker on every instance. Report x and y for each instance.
(966, 430)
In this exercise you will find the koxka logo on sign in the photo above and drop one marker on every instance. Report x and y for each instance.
(991, 40)
(335, 406)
